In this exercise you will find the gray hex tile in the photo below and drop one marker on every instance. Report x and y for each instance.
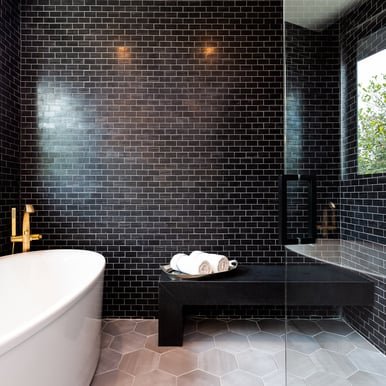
(266, 342)
(240, 377)
(198, 342)
(369, 361)
(335, 326)
(212, 326)
(334, 363)
(273, 326)
(334, 342)
(243, 327)
(302, 343)
(232, 342)
(256, 362)
(197, 378)
(324, 378)
(307, 327)
(301, 365)
(217, 362)
(361, 378)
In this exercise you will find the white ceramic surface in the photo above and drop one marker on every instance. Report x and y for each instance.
(50, 317)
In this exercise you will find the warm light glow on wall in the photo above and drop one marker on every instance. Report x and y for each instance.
(123, 53)
(209, 51)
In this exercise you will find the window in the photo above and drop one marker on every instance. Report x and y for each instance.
(371, 97)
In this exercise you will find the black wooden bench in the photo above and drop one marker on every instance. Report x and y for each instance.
(261, 284)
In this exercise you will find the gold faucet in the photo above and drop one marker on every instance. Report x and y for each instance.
(326, 225)
(26, 236)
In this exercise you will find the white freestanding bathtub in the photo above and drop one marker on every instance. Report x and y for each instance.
(50, 317)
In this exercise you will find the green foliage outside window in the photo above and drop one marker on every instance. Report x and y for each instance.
(372, 126)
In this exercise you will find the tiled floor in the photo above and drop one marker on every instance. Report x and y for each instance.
(239, 352)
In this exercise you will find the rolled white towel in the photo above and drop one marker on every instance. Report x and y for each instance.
(219, 263)
(190, 265)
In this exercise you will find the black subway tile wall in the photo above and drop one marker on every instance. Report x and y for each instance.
(150, 128)
(9, 117)
(363, 199)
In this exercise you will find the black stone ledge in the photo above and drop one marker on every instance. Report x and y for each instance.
(262, 284)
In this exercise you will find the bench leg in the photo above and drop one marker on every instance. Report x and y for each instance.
(170, 320)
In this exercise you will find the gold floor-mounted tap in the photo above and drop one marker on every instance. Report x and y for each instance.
(26, 236)
(327, 225)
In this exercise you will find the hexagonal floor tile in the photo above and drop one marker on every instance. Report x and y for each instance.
(266, 342)
(302, 343)
(307, 327)
(178, 361)
(128, 342)
(322, 379)
(256, 362)
(190, 325)
(273, 326)
(147, 327)
(240, 377)
(152, 344)
(155, 377)
(212, 326)
(243, 327)
(217, 362)
(119, 326)
(334, 342)
(335, 326)
(113, 378)
(278, 378)
(360, 342)
(369, 361)
(198, 342)
(108, 360)
(230, 341)
(139, 362)
(301, 365)
(198, 378)
(334, 363)
(367, 379)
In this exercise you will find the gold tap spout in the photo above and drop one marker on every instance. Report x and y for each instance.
(26, 236)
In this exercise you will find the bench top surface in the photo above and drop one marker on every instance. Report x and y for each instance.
(323, 273)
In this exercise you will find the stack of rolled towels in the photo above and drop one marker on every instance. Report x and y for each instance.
(199, 263)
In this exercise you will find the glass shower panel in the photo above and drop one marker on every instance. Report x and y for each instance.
(330, 283)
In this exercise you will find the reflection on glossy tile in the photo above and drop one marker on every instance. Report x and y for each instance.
(238, 352)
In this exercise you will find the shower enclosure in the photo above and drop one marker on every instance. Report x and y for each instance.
(334, 127)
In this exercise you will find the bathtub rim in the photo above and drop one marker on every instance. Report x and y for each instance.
(36, 324)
